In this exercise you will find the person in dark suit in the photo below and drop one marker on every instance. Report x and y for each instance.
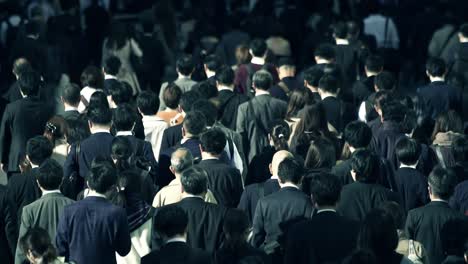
(22, 120)
(98, 144)
(111, 69)
(424, 224)
(46, 211)
(229, 100)
(205, 228)
(171, 223)
(439, 96)
(20, 66)
(288, 83)
(278, 208)
(360, 197)
(327, 237)
(95, 239)
(363, 88)
(8, 233)
(71, 99)
(254, 116)
(411, 184)
(368, 108)
(346, 54)
(224, 180)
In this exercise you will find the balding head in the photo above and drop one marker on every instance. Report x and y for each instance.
(20, 65)
(181, 159)
(277, 159)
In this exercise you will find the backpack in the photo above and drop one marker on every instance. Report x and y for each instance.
(141, 161)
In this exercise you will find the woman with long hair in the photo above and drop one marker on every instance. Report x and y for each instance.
(297, 101)
(448, 127)
(56, 132)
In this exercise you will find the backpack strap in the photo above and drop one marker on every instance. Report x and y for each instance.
(84, 101)
(440, 157)
(231, 148)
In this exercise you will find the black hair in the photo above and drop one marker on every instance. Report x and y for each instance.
(92, 76)
(171, 220)
(71, 94)
(121, 93)
(212, 62)
(374, 63)
(436, 67)
(29, 82)
(290, 170)
(340, 30)
(364, 164)
(55, 129)
(121, 151)
(385, 81)
(235, 227)
(313, 75)
(208, 109)
(442, 182)
(225, 75)
(124, 117)
(77, 131)
(321, 154)
(262, 80)
(299, 98)
(285, 61)
(38, 242)
(99, 115)
(460, 149)
(50, 174)
(258, 47)
(407, 151)
(396, 211)
(185, 65)
(464, 30)
(171, 96)
(325, 51)
(98, 99)
(102, 176)
(194, 123)
(194, 180)
(357, 134)
(279, 133)
(112, 65)
(213, 141)
(148, 102)
(447, 121)
(393, 111)
(325, 189)
(329, 83)
(206, 89)
(38, 149)
(188, 99)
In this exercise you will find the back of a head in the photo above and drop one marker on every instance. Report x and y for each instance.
(325, 189)
(56, 129)
(242, 54)
(93, 77)
(442, 182)
(37, 242)
(181, 159)
(407, 151)
(448, 121)
(102, 176)
(171, 96)
(325, 51)
(225, 75)
(374, 63)
(38, 149)
(357, 134)
(171, 221)
(50, 175)
(285, 62)
(194, 123)
(121, 93)
(364, 164)
(77, 131)
(124, 118)
(312, 76)
(329, 83)
(460, 150)
(262, 80)
(208, 109)
(212, 62)
(194, 181)
(321, 154)
(29, 82)
(121, 151)
(464, 30)
(236, 225)
(258, 47)
(112, 65)
(100, 116)
(98, 99)
(185, 65)
(148, 102)
(290, 171)
(71, 94)
(313, 119)
(299, 98)
(393, 111)
(213, 141)
(436, 67)
(385, 81)
(279, 133)
(188, 99)
(340, 30)
(397, 213)
(21, 65)
(206, 89)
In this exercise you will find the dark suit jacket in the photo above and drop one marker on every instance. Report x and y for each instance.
(229, 102)
(459, 199)
(424, 224)
(252, 193)
(177, 253)
(412, 188)
(439, 97)
(22, 120)
(92, 230)
(146, 152)
(259, 167)
(109, 83)
(8, 235)
(347, 58)
(286, 204)
(253, 121)
(278, 92)
(171, 137)
(72, 114)
(326, 238)
(383, 143)
(224, 181)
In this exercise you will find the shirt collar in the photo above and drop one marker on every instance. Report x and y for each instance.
(439, 200)
(224, 87)
(438, 79)
(259, 92)
(342, 42)
(95, 194)
(100, 130)
(49, 192)
(408, 166)
(187, 195)
(70, 108)
(258, 60)
(176, 239)
(108, 77)
(124, 133)
(152, 118)
(288, 184)
(326, 210)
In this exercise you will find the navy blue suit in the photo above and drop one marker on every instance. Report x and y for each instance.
(91, 231)
(439, 97)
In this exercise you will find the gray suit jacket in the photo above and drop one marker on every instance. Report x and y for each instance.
(185, 84)
(254, 119)
(45, 213)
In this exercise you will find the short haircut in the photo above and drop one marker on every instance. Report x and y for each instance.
(213, 141)
(185, 65)
(357, 134)
(407, 151)
(385, 81)
(325, 189)
(194, 123)
(460, 149)
(112, 65)
(329, 83)
(436, 67)
(325, 51)
(98, 99)
(37, 241)
(364, 164)
(170, 221)
(225, 75)
(340, 30)
(50, 174)
(29, 82)
(393, 111)
(262, 80)
(99, 115)
(285, 62)
(38, 149)
(290, 170)
(21, 65)
(121, 93)
(102, 176)
(208, 109)
(181, 162)
(206, 89)
(212, 62)
(464, 30)
(124, 117)
(172, 95)
(258, 47)
(188, 99)
(92, 76)
(194, 180)
(313, 75)
(148, 102)
(396, 211)
(374, 63)
(236, 224)
(71, 94)
(442, 182)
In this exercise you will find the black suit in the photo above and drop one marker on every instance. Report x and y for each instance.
(8, 232)
(22, 120)
(171, 137)
(412, 188)
(224, 181)
(71, 115)
(277, 208)
(337, 112)
(424, 224)
(177, 253)
(254, 192)
(326, 238)
(259, 167)
(439, 97)
(109, 84)
(228, 104)
(384, 141)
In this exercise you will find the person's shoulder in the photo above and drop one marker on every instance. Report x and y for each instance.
(152, 257)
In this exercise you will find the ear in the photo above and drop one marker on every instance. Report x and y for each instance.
(270, 167)
(183, 131)
(172, 169)
(90, 124)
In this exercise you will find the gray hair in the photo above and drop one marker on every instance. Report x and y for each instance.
(181, 159)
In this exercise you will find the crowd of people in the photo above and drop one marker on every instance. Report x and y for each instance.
(233, 132)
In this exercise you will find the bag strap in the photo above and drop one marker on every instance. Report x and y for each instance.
(259, 124)
(84, 101)
(231, 148)
(440, 157)
(285, 88)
